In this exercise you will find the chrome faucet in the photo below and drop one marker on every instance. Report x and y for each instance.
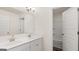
(12, 38)
(29, 35)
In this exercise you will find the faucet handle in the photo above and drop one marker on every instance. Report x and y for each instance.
(29, 35)
(8, 33)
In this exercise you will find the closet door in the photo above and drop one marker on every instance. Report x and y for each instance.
(70, 29)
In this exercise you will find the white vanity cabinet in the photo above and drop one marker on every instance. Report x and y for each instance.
(36, 45)
(23, 47)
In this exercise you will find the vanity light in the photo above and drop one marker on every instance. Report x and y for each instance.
(33, 9)
(29, 9)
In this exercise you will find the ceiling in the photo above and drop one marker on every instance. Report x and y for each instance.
(59, 9)
(17, 10)
(23, 9)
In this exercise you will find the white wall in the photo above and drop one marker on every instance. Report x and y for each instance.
(57, 26)
(44, 26)
(29, 23)
(78, 20)
(78, 30)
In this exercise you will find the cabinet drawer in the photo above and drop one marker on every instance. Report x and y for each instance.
(36, 45)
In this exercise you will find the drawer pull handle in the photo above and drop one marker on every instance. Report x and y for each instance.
(37, 44)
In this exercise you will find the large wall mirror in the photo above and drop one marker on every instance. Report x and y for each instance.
(14, 21)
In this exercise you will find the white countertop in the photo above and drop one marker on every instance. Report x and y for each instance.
(18, 41)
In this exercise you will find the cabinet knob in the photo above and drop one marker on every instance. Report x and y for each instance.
(37, 44)
(62, 34)
(78, 33)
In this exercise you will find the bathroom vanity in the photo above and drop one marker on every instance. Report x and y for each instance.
(23, 43)
(15, 25)
(34, 45)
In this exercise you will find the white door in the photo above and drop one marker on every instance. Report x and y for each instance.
(70, 29)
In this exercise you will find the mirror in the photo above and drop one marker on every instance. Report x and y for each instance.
(13, 21)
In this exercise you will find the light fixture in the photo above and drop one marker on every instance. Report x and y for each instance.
(29, 9)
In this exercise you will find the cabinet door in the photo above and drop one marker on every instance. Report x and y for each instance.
(36, 45)
(23, 47)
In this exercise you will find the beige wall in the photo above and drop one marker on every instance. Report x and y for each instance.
(44, 26)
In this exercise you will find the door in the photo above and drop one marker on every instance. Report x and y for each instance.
(70, 29)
